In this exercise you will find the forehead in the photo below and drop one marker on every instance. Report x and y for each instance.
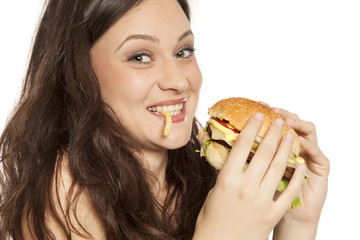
(152, 15)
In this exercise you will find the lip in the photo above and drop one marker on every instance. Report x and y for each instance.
(176, 118)
(169, 102)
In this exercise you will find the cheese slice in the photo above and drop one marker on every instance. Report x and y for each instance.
(223, 134)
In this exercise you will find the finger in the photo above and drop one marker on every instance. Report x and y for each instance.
(265, 153)
(292, 190)
(241, 149)
(278, 165)
(316, 161)
(301, 127)
(286, 114)
(307, 135)
(309, 147)
(306, 131)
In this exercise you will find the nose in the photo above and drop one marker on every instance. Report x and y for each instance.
(173, 77)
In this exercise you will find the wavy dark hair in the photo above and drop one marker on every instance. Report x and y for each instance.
(61, 112)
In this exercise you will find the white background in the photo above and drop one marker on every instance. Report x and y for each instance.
(303, 56)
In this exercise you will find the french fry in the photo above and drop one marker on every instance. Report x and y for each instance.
(168, 123)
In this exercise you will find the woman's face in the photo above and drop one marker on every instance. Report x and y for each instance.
(145, 64)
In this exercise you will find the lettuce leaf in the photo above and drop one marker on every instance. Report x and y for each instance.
(296, 203)
(281, 187)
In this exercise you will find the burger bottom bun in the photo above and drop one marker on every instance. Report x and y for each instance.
(216, 154)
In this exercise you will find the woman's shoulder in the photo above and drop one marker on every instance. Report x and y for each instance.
(70, 205)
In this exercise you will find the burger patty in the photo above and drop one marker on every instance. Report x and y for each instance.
(289, 172)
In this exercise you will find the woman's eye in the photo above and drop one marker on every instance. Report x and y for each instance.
(185, 53)
(140, 58)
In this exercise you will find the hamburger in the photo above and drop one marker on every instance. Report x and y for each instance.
(227, 118)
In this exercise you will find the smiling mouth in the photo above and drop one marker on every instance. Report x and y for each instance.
(173, 109)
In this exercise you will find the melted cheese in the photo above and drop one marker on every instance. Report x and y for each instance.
(223, 134)
(295, 161)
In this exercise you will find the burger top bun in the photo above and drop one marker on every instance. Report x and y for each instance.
(238, 111)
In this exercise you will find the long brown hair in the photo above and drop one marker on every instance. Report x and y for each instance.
(61, 112)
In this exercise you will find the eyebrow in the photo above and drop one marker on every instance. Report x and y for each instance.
(151, 38)
(185, 34)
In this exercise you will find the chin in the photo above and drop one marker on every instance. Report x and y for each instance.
(176, 140)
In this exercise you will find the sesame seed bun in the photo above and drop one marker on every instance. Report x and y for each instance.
(237, 111)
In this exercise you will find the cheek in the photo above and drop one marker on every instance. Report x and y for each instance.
(118, 82)
(195, 77)
(120, 85)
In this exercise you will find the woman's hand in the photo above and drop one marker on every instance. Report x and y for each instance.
(301, 223)
(241, 205)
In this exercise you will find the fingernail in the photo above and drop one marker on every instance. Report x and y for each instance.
(259, 116)
(279, 122)
(289, 137)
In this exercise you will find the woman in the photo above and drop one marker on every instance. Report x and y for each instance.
(84, 153)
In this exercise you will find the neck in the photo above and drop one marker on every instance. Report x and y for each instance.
(156, 162)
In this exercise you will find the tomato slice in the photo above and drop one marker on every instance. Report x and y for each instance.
(226, 124)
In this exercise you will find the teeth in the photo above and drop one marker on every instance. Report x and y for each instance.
(177, 112)
(174, 109)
